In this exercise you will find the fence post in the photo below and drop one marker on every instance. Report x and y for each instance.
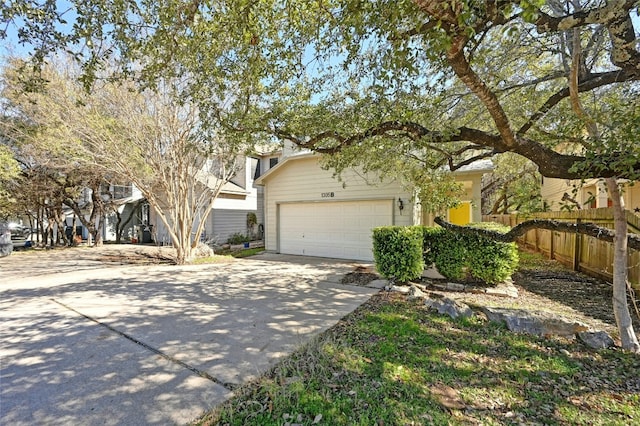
(576, 248)
(551, 246)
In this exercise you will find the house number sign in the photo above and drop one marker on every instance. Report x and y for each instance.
(327, 195)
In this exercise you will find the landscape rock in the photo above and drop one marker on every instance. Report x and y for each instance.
(504, 289)
(446, 306)
(399, 288)
(378, 284)
(535, 322)
(455, 287)
(203, 250)
(432, 273)
(416, 293)
(596, 339)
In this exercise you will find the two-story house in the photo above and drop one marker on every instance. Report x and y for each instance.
(310, 212)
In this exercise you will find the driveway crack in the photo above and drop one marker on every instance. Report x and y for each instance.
(204, 374)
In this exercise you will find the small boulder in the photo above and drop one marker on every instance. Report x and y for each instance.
(399, 288)
(455, 287)
(378, 284)
(535, 322)
(416, 293)
(432, 273)
(503, 289)
(596, 339)
(203, 250)
(446, 306)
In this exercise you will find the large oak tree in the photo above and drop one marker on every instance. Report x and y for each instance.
(393, 85)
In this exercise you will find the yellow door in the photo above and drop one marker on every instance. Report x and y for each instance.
(460, 215)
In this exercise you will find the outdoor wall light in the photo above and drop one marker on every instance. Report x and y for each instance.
(400, 204)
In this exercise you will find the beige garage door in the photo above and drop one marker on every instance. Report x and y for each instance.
(332, 229)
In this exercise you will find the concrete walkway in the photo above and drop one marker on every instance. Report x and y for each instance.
(144, 345)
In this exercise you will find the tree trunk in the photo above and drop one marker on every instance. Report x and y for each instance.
(184, 251)
(121, 225)
(74, 223)
(98, 240)
(117, 226)
(620, 261)
(49, 236)
(62, 231)
(97, 214)
(40, 226)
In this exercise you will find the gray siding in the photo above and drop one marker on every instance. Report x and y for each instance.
(224, 223)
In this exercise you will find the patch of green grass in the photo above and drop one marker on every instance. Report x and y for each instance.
(247, 252)
(393, 362)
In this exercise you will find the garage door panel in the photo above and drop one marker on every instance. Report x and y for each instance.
(333, 229)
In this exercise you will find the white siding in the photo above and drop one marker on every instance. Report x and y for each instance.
(111, 220)
(248, 201)
(552, 191)
(632, 196)
(302, 180)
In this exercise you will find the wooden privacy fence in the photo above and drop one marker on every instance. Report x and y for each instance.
(580, 252)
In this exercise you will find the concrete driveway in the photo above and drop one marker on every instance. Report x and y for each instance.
(158, 344)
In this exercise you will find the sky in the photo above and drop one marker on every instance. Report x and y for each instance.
(11, 47)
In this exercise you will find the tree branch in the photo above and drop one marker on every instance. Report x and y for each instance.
(593, 82)
(610, 12)
(590, 229)
(550, 163)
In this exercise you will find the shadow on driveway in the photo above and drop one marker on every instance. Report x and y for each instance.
(156, 344)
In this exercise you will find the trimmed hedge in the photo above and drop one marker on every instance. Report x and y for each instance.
(460, 256)
(397, 251)
(402, 252)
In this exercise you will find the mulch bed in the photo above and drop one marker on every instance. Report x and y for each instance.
(588, 295)
(566, 293)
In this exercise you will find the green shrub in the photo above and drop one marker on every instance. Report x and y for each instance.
(238, 238)
(489, 260)
(450, 255)
(397, 251)
(430, 238)
(459, 256)
(494, 262)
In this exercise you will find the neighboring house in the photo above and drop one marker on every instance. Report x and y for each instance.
(123, 198)
(237, 199)
(309, 212)
(134, 214)
(558, 194)
(471, 201)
